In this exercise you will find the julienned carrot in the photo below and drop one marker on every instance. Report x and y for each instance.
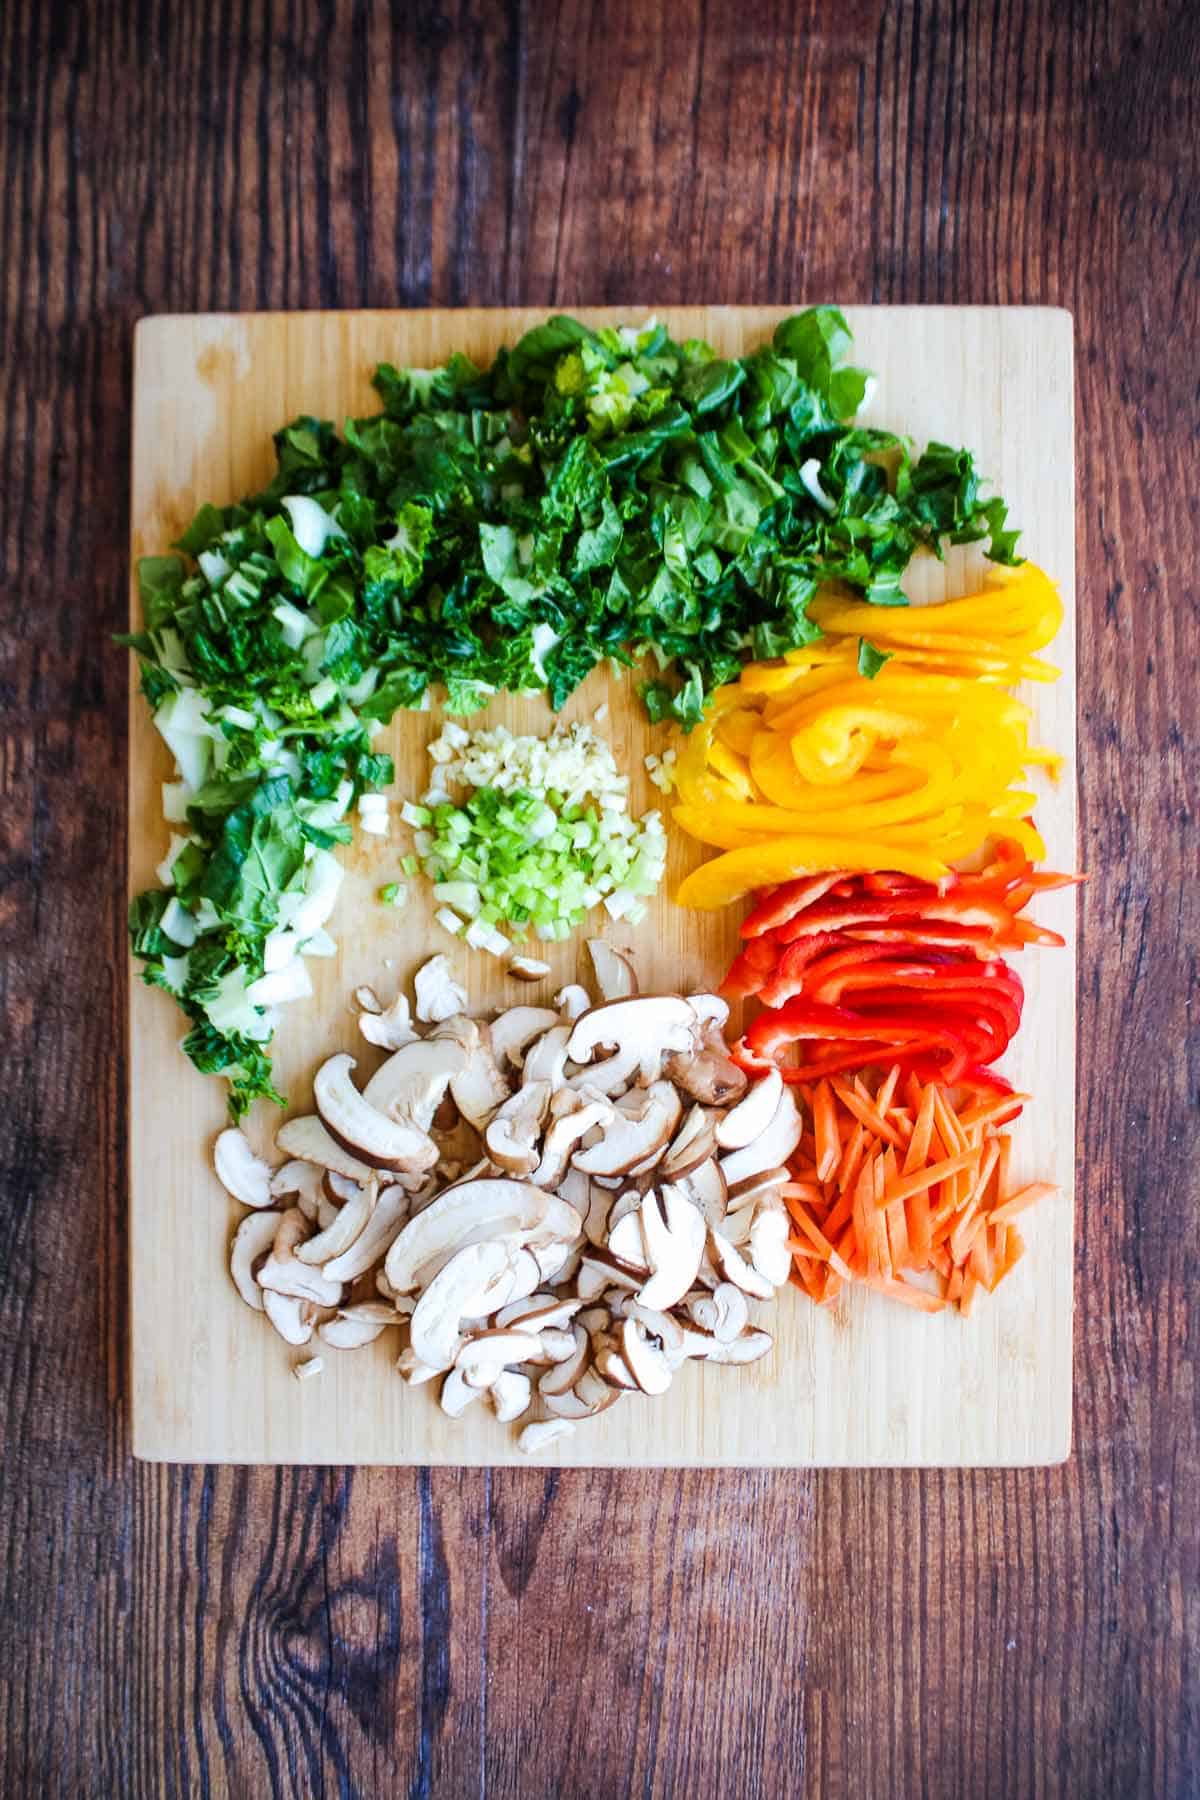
(902, 1191)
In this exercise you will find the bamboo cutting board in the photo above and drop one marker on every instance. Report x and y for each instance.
(864, 1383)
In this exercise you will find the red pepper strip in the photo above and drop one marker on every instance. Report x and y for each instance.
(789, 898)
(751, 968)
(789, 976)
(988, 916)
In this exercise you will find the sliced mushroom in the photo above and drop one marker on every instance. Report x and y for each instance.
(252, 1240)
(390, 1029)
(562, 1138)
(634, 1135)
(487, 1354)
(710, 1009)
(654, 1026)
(725, 1312)
(771, 1148)
(391, 1210)
(289, 1314)
(572, 1001)
(734, 1267)
(343, 1230)
(542, 1433)
(308, 1367)
(413, 1370)
(611, 1077)
(479, 1089)
(663, 1327)
(626, 1242)
(711, 1075)
(303, 1183)
(469, 1212)
(412, 1084)
(546, 1058)
(747, 1348)
(694, 1143)
(474, 1281)
(769, 1233)
(611, 1366)
(538, 1312)
(751, 1116)
(510, 1395)
(457, 1394)
(675, 1233)
(756, 1187)
(515, 1029)
(241, 1173)
(528, 968)
(644, 1360)
(595, 1224)
(512, 1135)
(594, 1391)
(624, 1204)
(356, 1326)
(557, 1344)
(598, 1272)
(705, 1188)
(351, 1121)
(308, 1140)
(566, 1373)
(367, 1000)
(438, 994)
(615, 977)
(284, 1273)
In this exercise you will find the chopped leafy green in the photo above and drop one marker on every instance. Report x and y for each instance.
(594, 495)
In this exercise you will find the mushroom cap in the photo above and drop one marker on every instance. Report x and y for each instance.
(637, 1131)
(770, 1148)
(473, 1210)
(467, 1287)
(654, 1025)
(412, 1082)
(253, 1239)
(615, 975)
(390, 1212)
(644, 1360)
(675, 1234)
(512, 1133)
(307, 1140)
(510, 1395)
(517, 1027)
(344, 1228)
(751, 1116)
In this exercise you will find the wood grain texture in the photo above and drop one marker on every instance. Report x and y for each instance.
(865, 1382)
(170, 1632)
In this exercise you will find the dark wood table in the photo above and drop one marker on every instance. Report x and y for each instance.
(192, 1631)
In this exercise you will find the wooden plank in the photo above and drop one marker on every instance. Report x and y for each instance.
(864, 1384)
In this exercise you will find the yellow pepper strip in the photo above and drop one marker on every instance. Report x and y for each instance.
(738, 872)
(732, 769)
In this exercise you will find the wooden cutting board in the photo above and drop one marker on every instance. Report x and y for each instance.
(864, 1383)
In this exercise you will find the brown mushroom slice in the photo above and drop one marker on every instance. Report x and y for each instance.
(381, 1142)
(572, 1002)
(557, 1344)
(757, 1187)
(411, 1084)
(389, 1028)
(528, 968)
(694, 1143)
(481, 1087)
(542, 1433)
(375, 1239)
(457, 1394)
(644, 1360)
(568, 1405)
(769, 1233)
(566, 1373)
(751, 1116)
(307, 1140)
(474, 1281)
(611, 1077)
(747, 1348)
(675, 1234)
(612, 1368)
(413, 1370)
(709, 1075)
(303, 1184)
(710, 1009)
(510, 1395)
(284, 1273)
(725, 1313)
(357, 1326)
(594, 1391)
(734, 1267)
(615, 976)
(665, 1327)
(595, 1224)
(253, 1239)
(289, 1315)
(367, 1000)
(344, 1228)
(438, 995)
(539, 1312)
(241, 1173)
(705, 1188)
(633, 1136)
(563, 1136)
(515, 1029)
(546, 1058)
(623, 1205)
(489, 1353)
(771, 1148)
(512, 1134)
(470, 1211)
(627, 1243)
(653, 1026)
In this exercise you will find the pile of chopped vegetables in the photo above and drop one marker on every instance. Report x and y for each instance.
(593, 496)
(893, 1182)
(542, 835)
